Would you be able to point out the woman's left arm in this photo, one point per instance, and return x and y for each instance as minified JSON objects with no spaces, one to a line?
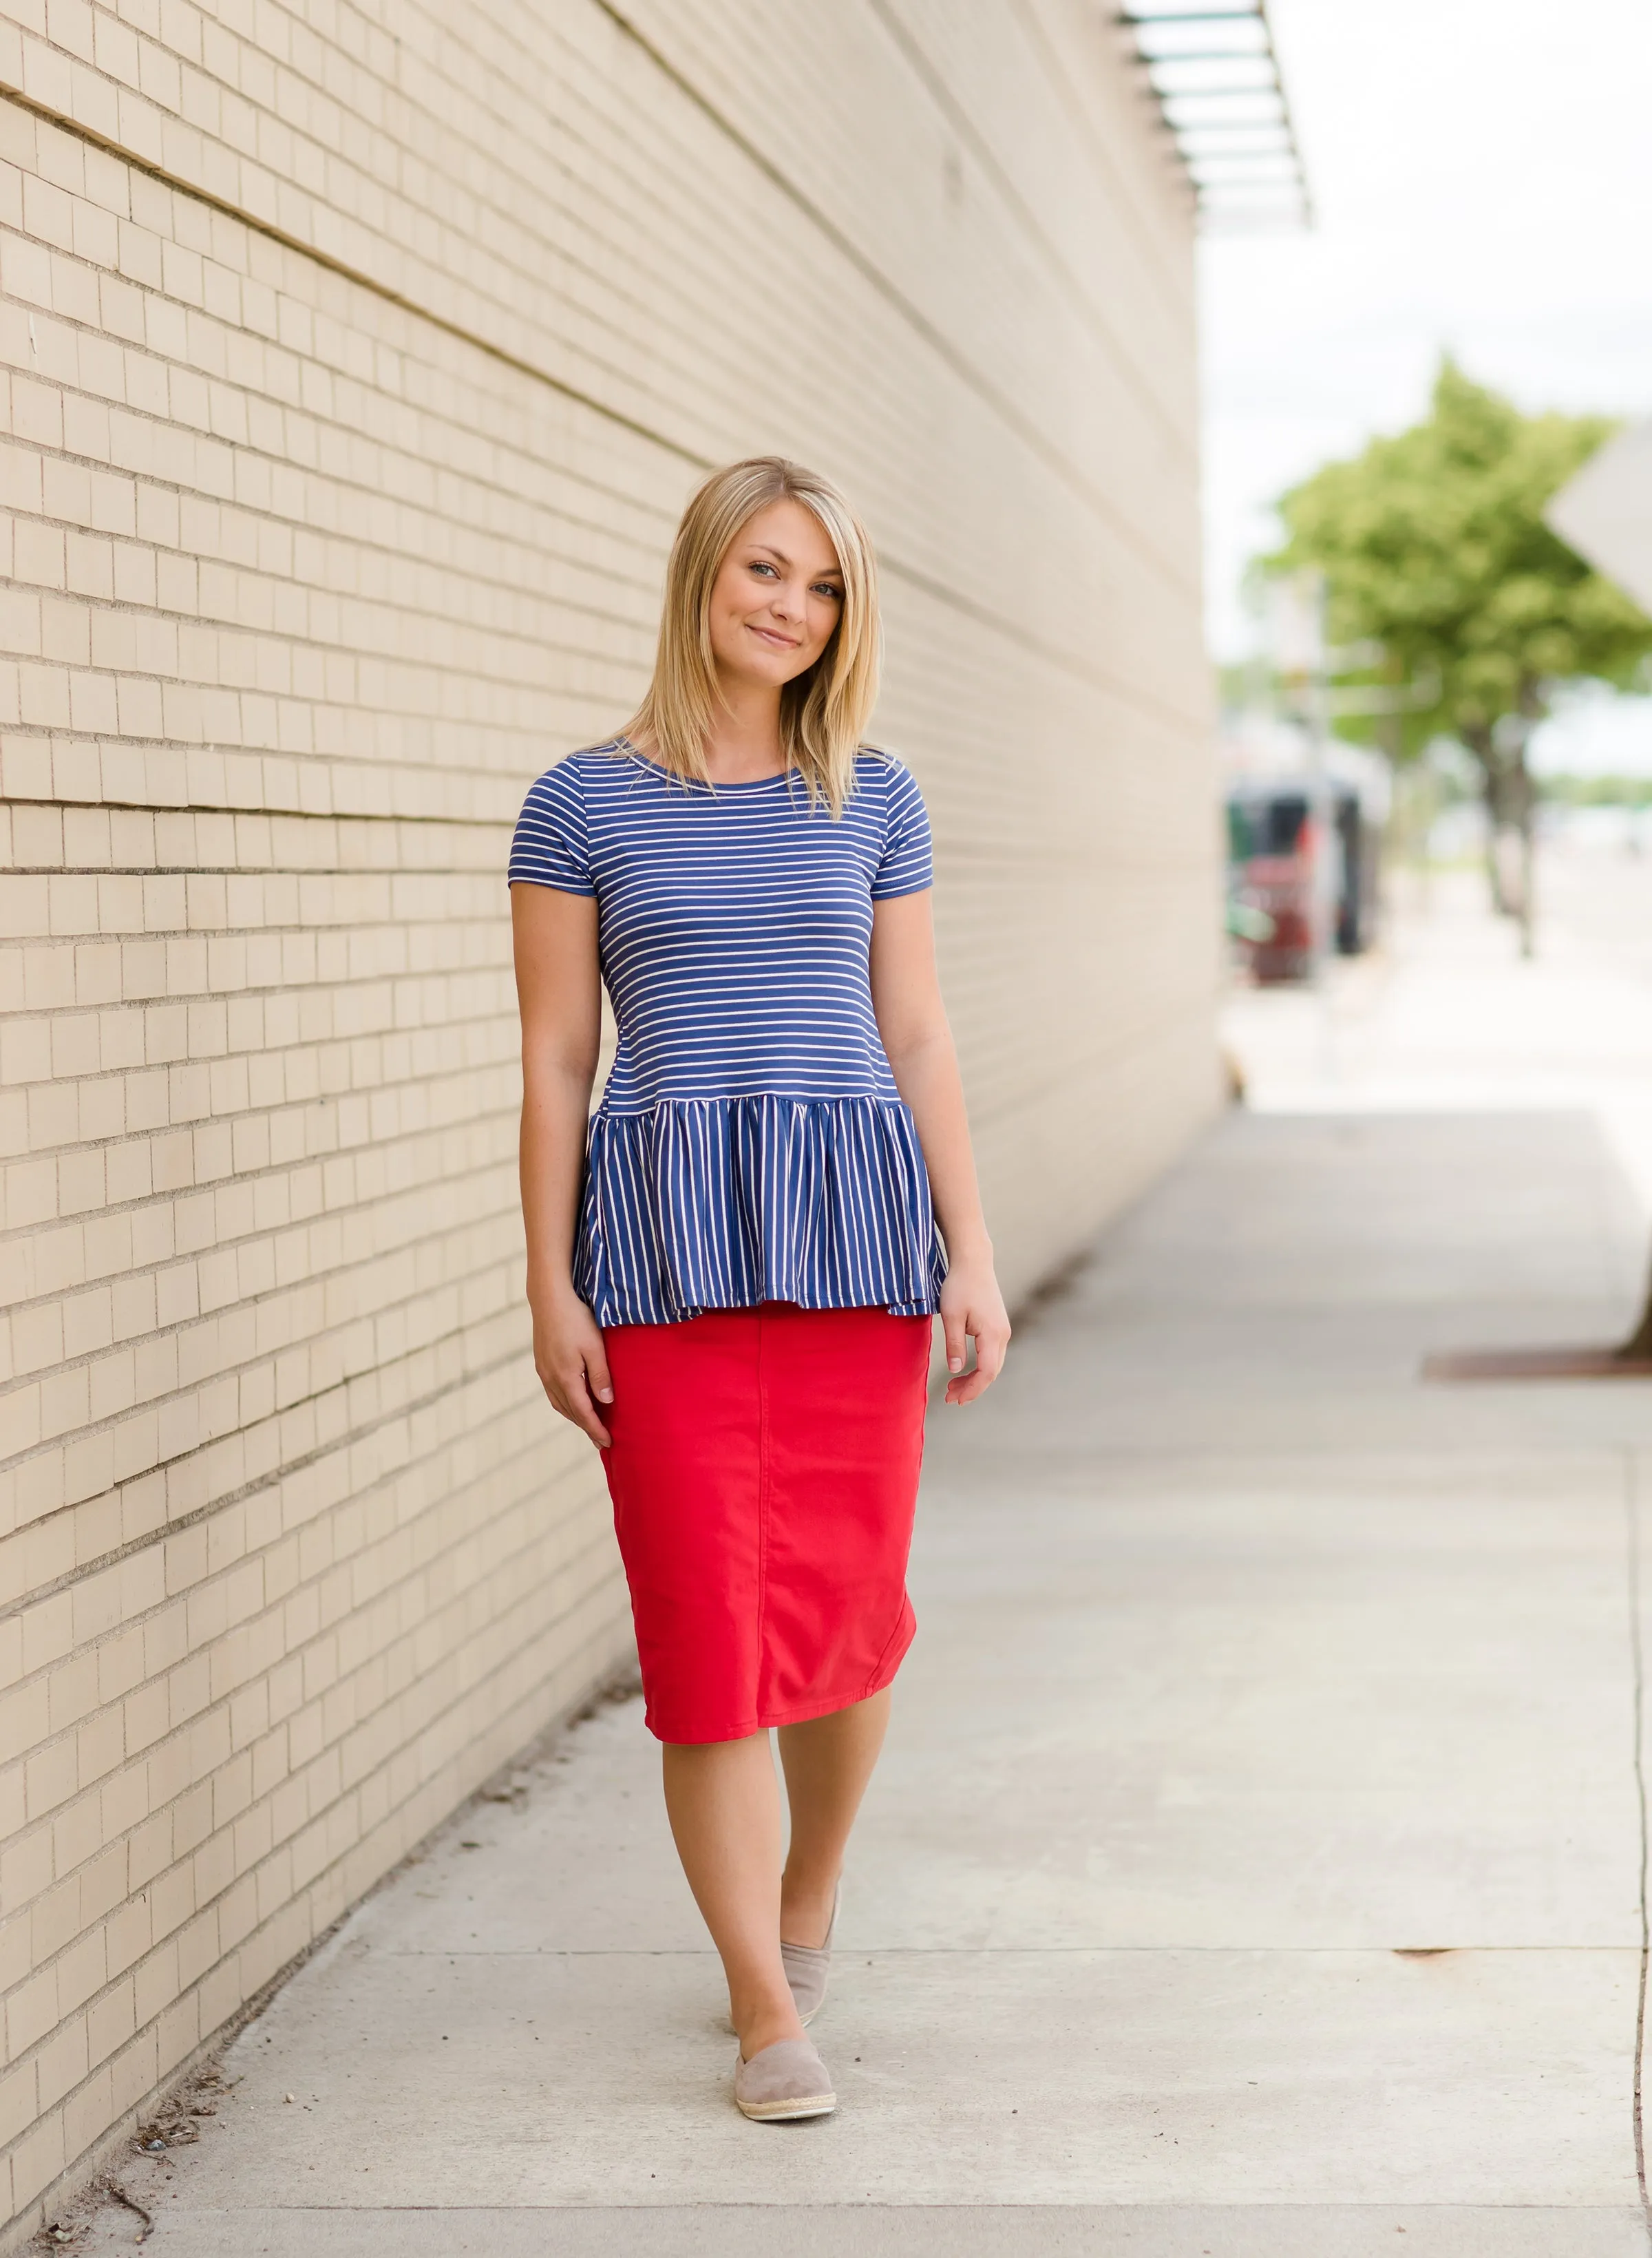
{"x":912,"y":1022}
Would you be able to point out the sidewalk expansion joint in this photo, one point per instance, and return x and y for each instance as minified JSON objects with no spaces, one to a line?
{"x":1632,"y":1511}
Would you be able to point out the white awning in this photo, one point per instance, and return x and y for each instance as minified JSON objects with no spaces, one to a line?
{"x":1213,"y":73}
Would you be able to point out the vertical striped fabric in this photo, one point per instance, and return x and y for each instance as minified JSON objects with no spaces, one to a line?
{"x":751,"y":1144}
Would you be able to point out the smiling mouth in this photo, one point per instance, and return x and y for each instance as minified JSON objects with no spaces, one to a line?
{"x":768,"y":635}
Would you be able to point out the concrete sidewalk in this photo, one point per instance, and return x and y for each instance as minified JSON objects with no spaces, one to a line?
{"x":1257,"y":1867}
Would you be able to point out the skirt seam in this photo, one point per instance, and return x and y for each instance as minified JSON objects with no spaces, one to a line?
{"x":763,"y":1498}
{"x":876,"y":1682}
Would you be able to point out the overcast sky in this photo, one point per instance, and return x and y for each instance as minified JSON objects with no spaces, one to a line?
{"x":1482,"y":171}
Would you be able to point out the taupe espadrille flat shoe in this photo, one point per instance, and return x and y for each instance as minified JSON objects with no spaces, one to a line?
{"x":782,"y":2082}
{"x":807,"y":1967}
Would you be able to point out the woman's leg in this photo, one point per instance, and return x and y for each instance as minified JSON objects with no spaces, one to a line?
{"x":827,"y":1764}
{"x":724,"y":1805}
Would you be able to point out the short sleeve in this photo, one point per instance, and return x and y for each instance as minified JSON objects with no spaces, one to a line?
{"x":906,"y":865}
{"x":552,"y":842}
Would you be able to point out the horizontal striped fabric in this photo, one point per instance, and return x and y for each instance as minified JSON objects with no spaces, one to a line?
{"x":751,"y":1144}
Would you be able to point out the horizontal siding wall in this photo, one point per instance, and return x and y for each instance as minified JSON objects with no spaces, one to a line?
{"x":356,"y":363}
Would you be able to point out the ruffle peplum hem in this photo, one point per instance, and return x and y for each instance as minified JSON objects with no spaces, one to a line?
{"x":721,"y":1204}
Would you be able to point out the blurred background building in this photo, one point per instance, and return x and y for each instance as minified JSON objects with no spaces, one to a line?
{"x":357,"y":364}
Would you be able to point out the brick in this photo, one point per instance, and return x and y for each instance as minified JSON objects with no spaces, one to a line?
{"x":300,"y":592}
{"x":32,"y":2012}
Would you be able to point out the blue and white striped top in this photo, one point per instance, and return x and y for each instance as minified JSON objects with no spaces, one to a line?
{"x":751,"y":1144}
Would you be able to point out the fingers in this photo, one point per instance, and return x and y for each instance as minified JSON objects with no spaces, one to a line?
{"x":583,"y":1412}
{"x":991,"y":1347}
{"x":570,"y":1395}
{"x":992,"y":1342}
{"x":966,"y":1390}
{"x":954,"y":1324}
{"x":594,"y":1383}
{"x":573,"y":1363}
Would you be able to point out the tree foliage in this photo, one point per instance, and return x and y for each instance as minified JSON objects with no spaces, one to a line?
{"x":1433,"y":543}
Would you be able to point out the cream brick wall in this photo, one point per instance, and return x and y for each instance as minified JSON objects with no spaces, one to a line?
{"x":356,"y":362}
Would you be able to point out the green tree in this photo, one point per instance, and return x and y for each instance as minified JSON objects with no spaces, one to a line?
{"x":1433,"y":545}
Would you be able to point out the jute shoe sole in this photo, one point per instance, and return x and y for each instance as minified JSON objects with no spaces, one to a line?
{"x":782,"y":2112}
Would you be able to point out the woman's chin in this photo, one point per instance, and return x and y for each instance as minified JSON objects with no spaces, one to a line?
{"x":760,"y":670}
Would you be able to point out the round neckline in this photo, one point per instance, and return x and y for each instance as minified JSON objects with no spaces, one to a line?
{"x":706,"y":784}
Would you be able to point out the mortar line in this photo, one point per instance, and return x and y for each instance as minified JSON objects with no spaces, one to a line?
{"x":1632,"y":1510}
{"x":262,"y":813}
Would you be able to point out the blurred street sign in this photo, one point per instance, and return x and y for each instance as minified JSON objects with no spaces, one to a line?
{"x":1297,"y":625}
{"x":1605,"y":512}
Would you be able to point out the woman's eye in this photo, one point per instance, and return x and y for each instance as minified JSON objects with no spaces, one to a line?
{"x":761,"y":566}
{"x":825,"y":588}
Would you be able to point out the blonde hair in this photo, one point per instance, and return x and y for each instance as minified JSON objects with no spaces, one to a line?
{"x":823,"y":711}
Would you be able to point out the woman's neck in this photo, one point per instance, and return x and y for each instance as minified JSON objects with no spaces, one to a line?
{"x":744,"y":742}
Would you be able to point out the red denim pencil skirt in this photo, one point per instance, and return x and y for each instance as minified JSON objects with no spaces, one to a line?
{"x":763,"y":1471}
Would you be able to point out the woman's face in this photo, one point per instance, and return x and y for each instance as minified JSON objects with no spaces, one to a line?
{"x":777,"y":596}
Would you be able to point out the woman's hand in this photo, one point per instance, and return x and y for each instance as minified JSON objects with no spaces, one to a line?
{"x":971,"y":1304}
{"x":570,"y":1360}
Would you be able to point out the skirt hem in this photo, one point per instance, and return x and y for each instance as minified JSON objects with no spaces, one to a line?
{"x":885,"y":1674}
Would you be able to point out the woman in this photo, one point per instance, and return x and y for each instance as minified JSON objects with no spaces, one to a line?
{"x":733,"y":1276}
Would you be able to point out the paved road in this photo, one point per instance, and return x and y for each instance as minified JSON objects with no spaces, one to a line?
{"x":1256,"y":1868}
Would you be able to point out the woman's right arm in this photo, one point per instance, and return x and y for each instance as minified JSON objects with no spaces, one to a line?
{"x":558,"y":989}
